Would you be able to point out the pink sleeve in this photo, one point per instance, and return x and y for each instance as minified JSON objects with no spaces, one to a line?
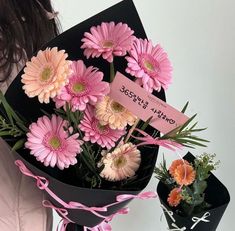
{"x":20,"y":201}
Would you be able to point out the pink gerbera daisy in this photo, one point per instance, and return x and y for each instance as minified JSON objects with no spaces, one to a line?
{"x":150,"y":64}
{"x":108,"y":40}
{"x":85,"y":86}
{"x":51,"y":144}
{"x":97,"y":133}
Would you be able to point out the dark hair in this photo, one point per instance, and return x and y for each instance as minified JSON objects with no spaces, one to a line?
{"x":24,"y":28}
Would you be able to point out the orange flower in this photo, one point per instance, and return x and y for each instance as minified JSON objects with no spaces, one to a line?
{"x":175,"y":164}
{"x":184,"y":174}
{"x":174,"y":197}
{"x":46,"y":74}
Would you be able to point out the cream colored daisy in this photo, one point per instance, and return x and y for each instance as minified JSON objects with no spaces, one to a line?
{"x":120,"y":164}
{"x":46,"y":74}
{"x":114,"y":114}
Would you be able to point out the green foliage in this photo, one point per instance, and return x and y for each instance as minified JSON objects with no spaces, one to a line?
{"x":204,"y":164}
{"x":162,"y":174}
{"x":184,"y":134}
{"x":12,"y":125}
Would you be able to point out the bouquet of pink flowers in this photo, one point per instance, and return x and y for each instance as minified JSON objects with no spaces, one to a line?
{"x":72,"y":136}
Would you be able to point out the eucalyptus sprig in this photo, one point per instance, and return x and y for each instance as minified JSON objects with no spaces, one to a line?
{"x":184,"y":134}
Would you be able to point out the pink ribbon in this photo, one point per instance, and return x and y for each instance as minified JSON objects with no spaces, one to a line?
{"x":43,"y":183}
{"x":62,"y":212}
{"x":142,"y":196}
{"x":147,"y":139}
{"x":104,"y":225}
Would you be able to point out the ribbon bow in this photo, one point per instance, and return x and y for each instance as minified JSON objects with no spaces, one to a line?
{"x":42,"y":182}
{"x":203,"y":219}
{"x":62,"y":212}
{"x":94,"y":210}
{"x":147,"y":139}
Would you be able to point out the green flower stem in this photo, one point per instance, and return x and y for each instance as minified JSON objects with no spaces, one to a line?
{"x":131,"y":130}
{"x":112,"y":72}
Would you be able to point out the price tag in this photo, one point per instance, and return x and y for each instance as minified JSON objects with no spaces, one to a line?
{"x":144,"y":105}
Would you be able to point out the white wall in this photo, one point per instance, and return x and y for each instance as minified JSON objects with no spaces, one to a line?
{"x":199,"y":37}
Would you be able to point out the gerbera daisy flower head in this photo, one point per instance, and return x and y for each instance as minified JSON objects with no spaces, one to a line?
{"x":85,"y":86}
{"x":174,"y":197}
{"x":114,"y":114}
{"x":184,"y":174}
{"x":175,"y":164}
{"x":108,"y":40}
{"x":120,"y":164}
{"x":46,"y":74}
{"x":51,"y":144}
{"x":150,"y":65}
{"x":97,"y":133}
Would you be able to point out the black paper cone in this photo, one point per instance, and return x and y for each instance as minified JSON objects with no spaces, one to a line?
{"x":70,"y":41}
{"x":216,"y":194}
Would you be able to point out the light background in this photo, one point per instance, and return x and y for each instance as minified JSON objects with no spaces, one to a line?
{"x":199,"y":37}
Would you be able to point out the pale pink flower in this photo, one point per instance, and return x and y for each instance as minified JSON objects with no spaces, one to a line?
{"x":150,"y":65}
{"x":97,"y":133}
{"x":51,"y":144}
{"x":120,"y":164}
{"x":108,"y":40}
{"x":46,"y":74}
{"x":114,"y":114}
{"x":85,"y":86}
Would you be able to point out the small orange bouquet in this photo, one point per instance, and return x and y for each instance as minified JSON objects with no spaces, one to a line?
{"x":187,"y":182}
{"x":191,"y":197}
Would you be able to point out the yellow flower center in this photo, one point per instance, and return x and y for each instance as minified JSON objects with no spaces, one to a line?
{"x":46,"y":74}
{"x":116,"y":107}
{"x":108,"y":44}
{"x":78,"y":88}
{"x":55,"y":142}
{"x":149,"y":65}
{"x":119,"y":162}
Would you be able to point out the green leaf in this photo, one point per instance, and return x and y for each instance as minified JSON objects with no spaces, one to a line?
{"x":19,"y":144}
{"x":6,"y":107}
{"x":187,"y":122}
{"x":145,"y":125}
{"x":188,"y":141}
{"x":185,"y":107}
{"x":10,"y":112}
{"x":4,"y":133}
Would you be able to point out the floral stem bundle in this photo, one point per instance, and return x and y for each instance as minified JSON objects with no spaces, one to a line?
{"x":60,"y":117}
